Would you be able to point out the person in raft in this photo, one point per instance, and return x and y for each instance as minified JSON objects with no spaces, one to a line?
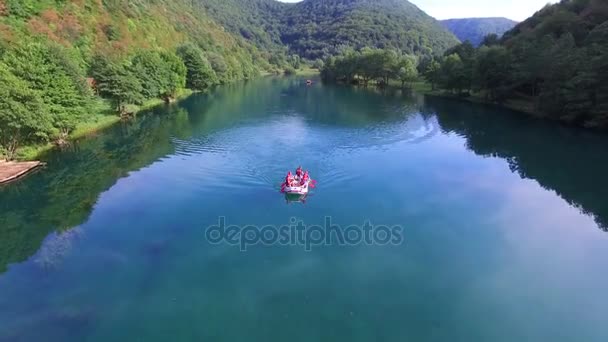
{"x":288,"y":179}
{"x":299,"y":173}
{"x":305,"y":178}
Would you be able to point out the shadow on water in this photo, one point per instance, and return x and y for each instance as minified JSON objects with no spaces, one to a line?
{"x":569,"y":161}
{"x":63,"y":196}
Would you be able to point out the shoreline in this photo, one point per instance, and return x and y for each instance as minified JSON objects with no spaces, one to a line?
{"x":424,"y":88}
{"x":520,"y":107}
{"x":103,"y":118}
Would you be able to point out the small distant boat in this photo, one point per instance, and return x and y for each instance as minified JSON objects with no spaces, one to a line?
{"x":308,"y":82}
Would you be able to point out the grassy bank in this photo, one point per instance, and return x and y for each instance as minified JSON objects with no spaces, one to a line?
{"x":304,"y":71}
{"x":104,"y":116}
{"x":307,"y":71}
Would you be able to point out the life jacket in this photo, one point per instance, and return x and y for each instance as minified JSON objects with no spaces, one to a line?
{"x":304,"y":178}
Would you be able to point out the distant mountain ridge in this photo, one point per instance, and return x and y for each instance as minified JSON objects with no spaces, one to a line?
{"x":474,"y":30}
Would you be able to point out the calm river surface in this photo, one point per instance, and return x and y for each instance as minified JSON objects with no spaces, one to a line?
{"x":504,"y":223}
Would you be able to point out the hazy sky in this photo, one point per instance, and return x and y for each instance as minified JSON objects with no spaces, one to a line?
{"x":446,"y":9}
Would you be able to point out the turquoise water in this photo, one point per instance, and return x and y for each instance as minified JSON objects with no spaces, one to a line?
{"x":504,"y":223}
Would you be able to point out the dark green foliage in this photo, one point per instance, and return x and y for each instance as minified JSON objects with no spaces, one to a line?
{"x":493,"y":71}
{"x":219,"y":65}
{"x":49,"y":72}
{"x":21,"y":8}
{"x":117,"y":82}
{"x":295,"y":61}
{"x":475,"y":30}
{"x":321,"y":28}
{"x":453,"y":74}
{"x":201,"y":75}
{"x":111,"y":32}
{"x":407,"y":71}
{"x":369,"y":65}
{"x":255,"y":20}
{"x":160,"y":74}
{"x":458,"y":75}
{"x":433,"y":73}
{"x":290,"y":71}
{"x":48,"y":44}
{"x":556,"y":61}
{"x":177,"y":73}
{"x":318,"y":64}
{"x":491,"y":40}
{"x":23,"y":115}
{"x":153,"y":73}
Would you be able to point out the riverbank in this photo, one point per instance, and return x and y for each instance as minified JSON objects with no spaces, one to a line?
{"x":104,"y":117}
{"x":519,"y":105}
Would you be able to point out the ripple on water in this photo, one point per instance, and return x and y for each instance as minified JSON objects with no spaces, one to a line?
{"x":257,"y":154}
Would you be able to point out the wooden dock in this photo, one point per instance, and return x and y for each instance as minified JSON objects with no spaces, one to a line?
{"x":10,"y":171}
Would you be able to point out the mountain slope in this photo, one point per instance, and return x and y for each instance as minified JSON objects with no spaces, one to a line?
{"x":475,"y":29}
{"x":58,"y":59}
{"x":320,"y":28}
{"x":255,"y":20}
{"x":115,"y":27}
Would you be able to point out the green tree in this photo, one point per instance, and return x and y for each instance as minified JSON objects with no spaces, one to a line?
{"x":218,"y":63}
{"x":177,"y":73}
{"x":295,"y":61}
{"x":47,"y":71}
{"x":433,"y":73}
{"x":153,"y":74}
{"x":491,"y":39}
{"x":318,"y":64}
{"x":200,"y":74}
{"x":23,"y":116}
{"x":453,"y":73}
{"x":289,"y":70}
{"x":493,"y":70}
{"x":117,"y":82}
{"x":407,"y":71}
{"x":466,"y":51}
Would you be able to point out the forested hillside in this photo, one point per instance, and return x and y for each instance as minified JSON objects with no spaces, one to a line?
{"x":258,"y":21}
{"x":555,"y":64}
{"x":322,"y":28}
{"x":476,"y":29}
{"x":56,"y":56}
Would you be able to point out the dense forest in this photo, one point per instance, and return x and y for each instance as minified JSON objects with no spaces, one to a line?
{"x":475,"y":30}
{"x":317,"y":29}
{"x":258,"y":21}
{"x":553,"y":65}
{"x":370,"y":65}
{"x":322,"y":28}
{"x":56,"y":56}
